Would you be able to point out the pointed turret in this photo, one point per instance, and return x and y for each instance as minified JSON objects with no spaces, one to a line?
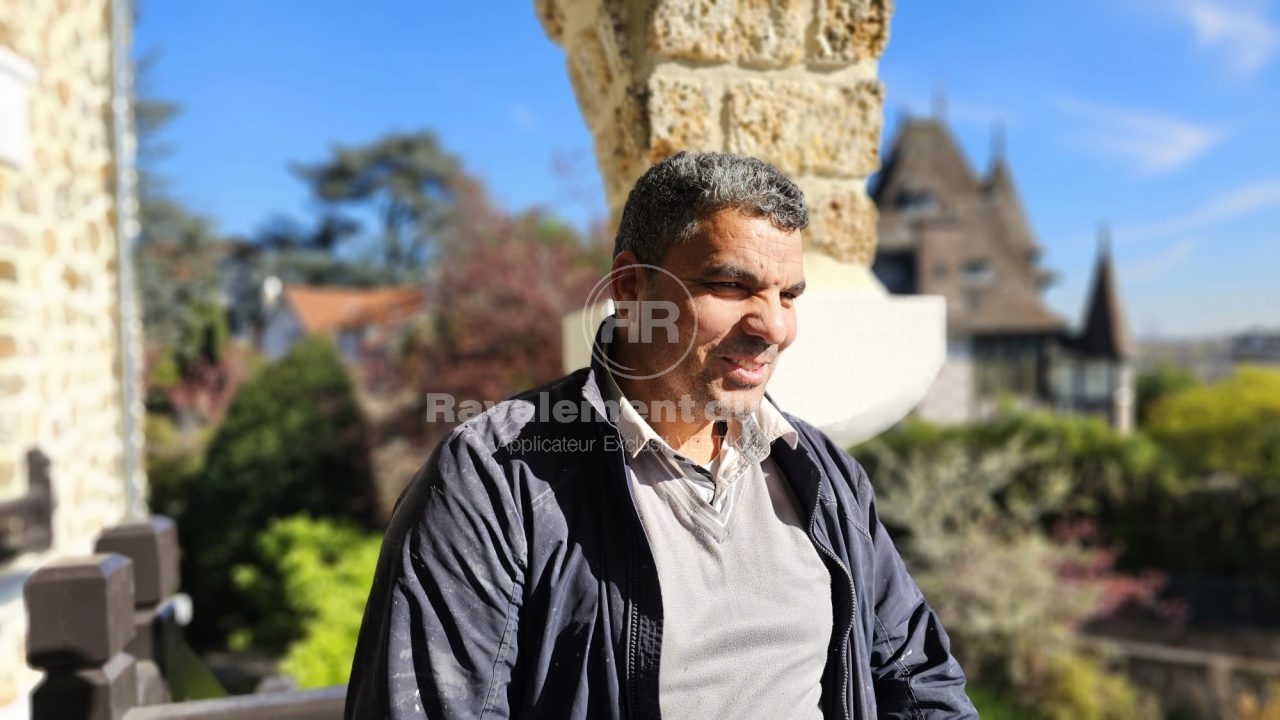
{"x":1000,"y":188}
{"x":999,"y":180}
{"x":1104,"y":333}
{"x":923,"y":158}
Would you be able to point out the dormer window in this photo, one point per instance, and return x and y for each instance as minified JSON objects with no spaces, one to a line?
{"x":916,"y":202}
{"x":978,"y":272}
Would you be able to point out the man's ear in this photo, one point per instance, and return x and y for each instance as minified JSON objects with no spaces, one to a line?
{"x":626,"y":278}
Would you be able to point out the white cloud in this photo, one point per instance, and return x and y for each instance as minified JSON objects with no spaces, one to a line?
{"x":1229,"y":205}
{"x":1155,"y":266}
{"x":1239,"y":29}
{"x":1154,"y":143}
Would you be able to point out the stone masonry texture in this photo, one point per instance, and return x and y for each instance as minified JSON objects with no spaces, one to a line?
{"x":790,"y":81}
{"x":60,"y":386}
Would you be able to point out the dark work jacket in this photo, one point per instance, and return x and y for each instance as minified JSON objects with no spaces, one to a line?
{"x":515,"y":581}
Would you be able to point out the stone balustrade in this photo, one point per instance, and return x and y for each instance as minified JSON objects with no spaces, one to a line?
{"x":106,"y":630}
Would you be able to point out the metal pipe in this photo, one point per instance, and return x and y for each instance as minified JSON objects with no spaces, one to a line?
{"x":124,"y":144}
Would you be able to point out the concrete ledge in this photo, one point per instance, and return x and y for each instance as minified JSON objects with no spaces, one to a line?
{"x":319,"y":704}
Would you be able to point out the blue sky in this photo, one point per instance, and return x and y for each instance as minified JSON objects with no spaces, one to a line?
{"x":1156,"y":116}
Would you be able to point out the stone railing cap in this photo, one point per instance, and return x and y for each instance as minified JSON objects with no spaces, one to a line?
{"x":80,"y":611}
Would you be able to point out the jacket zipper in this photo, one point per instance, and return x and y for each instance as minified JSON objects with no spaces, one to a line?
{"x":845,"y":678}
{"x":633,"y":621}
{"x":633,"y":612}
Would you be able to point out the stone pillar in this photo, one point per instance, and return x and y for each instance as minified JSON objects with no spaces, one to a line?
{"x":790,"y":81}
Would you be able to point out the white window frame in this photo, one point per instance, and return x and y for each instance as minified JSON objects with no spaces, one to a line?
{"x":17,"y":76}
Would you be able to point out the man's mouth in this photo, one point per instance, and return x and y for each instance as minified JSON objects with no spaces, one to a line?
{"x":746,"y":370}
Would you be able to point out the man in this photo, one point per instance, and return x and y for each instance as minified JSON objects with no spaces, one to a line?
{"x":678,"y":547}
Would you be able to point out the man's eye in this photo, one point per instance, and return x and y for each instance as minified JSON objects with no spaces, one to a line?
{"x":728,"y":286}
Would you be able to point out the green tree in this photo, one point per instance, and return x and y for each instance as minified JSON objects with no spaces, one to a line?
{"x":1230,"y":426}
{"x":177,"y":252}
{"x":496,"y":300}
{"x":293,"y":441}
{"x":1158,"y":382}
{"x":405,"y":180}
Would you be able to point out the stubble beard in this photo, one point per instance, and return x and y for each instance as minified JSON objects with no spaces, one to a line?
{"x":717,"y":397}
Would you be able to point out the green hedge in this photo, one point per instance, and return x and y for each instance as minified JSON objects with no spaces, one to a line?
{"x":1231,"y":426}
{"x":293,"y":441}
{"x":309,"y":584}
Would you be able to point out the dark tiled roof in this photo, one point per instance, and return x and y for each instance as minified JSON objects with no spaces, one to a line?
{"x":924,"y":156}
{"x":1009,"y":310}
{"x":1104,"y":333}
{"x":928,"y":186}
{"x":1013,"y":227}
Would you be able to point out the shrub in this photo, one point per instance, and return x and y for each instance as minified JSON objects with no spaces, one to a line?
{"x":1127,"y":484}
{"x":1231,"y":426}
{"x":1249,"y":707}
{"x":996,"y":706}
{"x":1079,"y":688}
{"x":1159,"y":382}
{"x":293,"y":441}
{"x":1197,"y":531}
{"x":309,"y":582}
{"x":1105,"y":470}
{"x":1010,"y":596}
{"x":966,"y":551}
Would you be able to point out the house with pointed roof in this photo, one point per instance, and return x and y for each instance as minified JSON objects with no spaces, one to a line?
{"x":944,"y":230}
{"x":356,"y":319}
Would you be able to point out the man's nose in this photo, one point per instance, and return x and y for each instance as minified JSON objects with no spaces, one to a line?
{"x":768,"y":320}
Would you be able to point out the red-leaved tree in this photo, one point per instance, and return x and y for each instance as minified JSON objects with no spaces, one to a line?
{"x":496,"y":297}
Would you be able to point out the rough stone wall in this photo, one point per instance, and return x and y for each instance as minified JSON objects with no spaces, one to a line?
{"x":790,"y":81}
{"x":60,"y":360}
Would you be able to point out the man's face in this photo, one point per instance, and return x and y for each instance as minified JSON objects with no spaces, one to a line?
{"x":741,"y":276}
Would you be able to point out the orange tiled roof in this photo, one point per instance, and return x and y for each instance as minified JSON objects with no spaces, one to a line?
{"x":322,"y":309}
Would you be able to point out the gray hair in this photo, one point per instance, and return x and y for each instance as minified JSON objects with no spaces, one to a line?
{"x":670,"y":200}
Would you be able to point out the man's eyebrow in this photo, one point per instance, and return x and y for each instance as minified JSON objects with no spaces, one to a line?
{"x":737,"y":272}
{"x":733,"y":272}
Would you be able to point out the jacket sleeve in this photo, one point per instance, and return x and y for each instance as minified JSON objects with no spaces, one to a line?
{"x":438,"y":639}
{"x":914,"y":673}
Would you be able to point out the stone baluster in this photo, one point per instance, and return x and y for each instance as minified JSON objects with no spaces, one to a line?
{"x":152,"y":545}
{"x":81,"y":620}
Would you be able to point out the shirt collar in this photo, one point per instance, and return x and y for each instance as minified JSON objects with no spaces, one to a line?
{"x":635,"y":430}
{"x":752,"y":435}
